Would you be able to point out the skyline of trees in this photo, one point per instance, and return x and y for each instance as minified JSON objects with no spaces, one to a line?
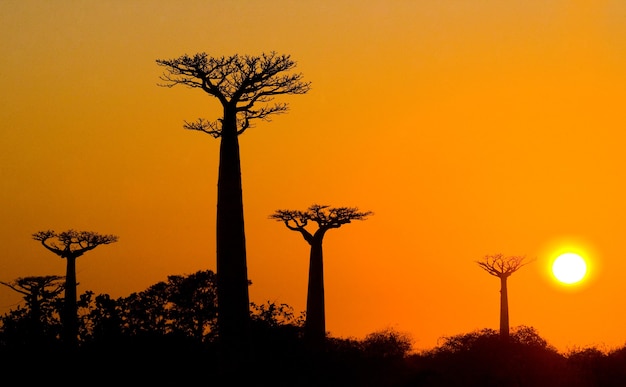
{"x":245,"y":86}
{"x":327,"y":217}
{"x":156,"y":328}
{"x":73,"y":244}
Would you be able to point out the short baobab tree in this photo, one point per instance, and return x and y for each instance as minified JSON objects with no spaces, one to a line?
{"x":70,"y":245}
{"x":326,"y":218}
{"x":502,"y":267}
{"x":39,"y":292}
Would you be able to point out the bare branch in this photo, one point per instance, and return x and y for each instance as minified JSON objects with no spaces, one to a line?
{"x":324,"y":215}
{"x":294,"y":220}
{"x":500,"y":266}
{"x":37,"y":285}
{"x":72,"y":243}
{"x":213,"y":128}
{"x":238,"y":82}
{"x":334,"y":217}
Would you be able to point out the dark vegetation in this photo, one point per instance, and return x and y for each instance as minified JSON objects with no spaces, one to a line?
{"x":168,"y":334}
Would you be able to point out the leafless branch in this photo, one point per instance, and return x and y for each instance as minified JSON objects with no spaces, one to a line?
{"x":37,"y":285}
{"x":247,"y":84}
{"x":72,"y":242}
{"x":502,"y":266}
{"x":211,"y":127}
{"x":324,"y":215}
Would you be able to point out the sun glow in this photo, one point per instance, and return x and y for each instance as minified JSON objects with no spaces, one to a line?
{"x":569,"y":268}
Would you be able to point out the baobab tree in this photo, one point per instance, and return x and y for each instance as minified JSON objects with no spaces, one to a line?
{"x":326,"y":218}
{"x":70,"y":245}
{"x":245,"y":86}
{"x":39,"y":292}
{"x":502,"y":267}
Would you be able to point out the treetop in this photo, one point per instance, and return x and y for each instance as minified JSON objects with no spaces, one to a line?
{"x":324,"y":215}
{"x":502,"y":266}
{"x":72,"y":242}
{"x":243,"y":84}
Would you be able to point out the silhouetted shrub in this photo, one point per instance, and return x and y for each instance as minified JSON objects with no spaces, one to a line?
{"x":165,"y":335}
{"x":387,"y":344}
{"x":482,"y":358}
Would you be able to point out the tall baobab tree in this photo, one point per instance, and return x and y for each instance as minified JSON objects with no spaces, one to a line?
{"x":70,"y":245}
{"x":245,"y":86}
{"x":326,"y":218}
{"x":502,"y":267}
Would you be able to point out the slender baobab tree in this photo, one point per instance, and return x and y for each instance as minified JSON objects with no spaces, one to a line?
{"x":245,"y":86}
{"x":326,"y":218}
{"x":70,"y":245}
{"x":502,"y":267}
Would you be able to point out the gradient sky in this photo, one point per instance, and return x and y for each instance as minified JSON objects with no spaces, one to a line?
{"x":468,"y":128}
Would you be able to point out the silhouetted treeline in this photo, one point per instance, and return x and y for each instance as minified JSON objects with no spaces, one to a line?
{"x":167,"y":334}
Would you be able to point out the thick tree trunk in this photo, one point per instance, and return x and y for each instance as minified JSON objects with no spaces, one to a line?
{"x":315,"y":324}
{"x":504,"y":309}
{"x":232,"y":274}
{"x":70,"y":311}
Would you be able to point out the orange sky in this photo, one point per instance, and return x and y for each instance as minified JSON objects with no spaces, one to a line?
{"x":468,"y":128}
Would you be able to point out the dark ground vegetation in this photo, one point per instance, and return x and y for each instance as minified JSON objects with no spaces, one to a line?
{"x":166,"y":335}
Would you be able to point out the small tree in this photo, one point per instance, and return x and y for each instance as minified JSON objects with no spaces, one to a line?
{"x":70,"y":245}
{"x":502,"y":267}
{"x":193,"y":299}
{"x":184,"y":306}
{"x":387,"y":344}
{"x":326,"y":218}
{"x":244,"y":86}
{"x":39,"y":292}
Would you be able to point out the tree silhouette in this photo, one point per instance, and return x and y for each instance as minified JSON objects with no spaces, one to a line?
{"x":104,"y":322}
{"x":193,"y":303}
{"x":502,"y":267}
{"x":482,"y":358}
{"x":245,"y":86}
{"x":326,"y":219}
{"x":70,"y":245}
{"x":39,"y":293}
{"x":184,"y":306}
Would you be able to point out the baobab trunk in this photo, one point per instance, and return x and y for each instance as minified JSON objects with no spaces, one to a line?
{"x":504,"y":309}
{"x":70,"y":317}
{"x":232,"y":277}
{"x":315,"y":325}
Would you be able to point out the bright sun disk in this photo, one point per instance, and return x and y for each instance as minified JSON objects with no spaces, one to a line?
{"x":569,"y":268}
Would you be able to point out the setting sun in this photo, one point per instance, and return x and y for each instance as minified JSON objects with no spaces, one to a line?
{"x":569,"y":268}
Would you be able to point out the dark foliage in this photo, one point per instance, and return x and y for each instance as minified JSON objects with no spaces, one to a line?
{"x":166,"y":335}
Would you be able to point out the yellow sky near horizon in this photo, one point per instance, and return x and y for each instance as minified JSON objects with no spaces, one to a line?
{"x":468,"y":128}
